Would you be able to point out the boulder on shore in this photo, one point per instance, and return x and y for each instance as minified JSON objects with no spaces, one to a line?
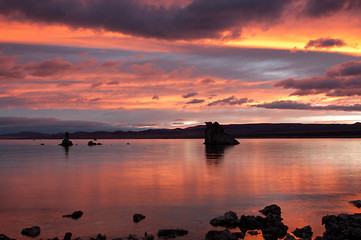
{"x":215,"y":135}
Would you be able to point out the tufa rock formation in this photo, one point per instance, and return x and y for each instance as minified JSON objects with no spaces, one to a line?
{"x":215,"y":135}
{"x":66,"y":141}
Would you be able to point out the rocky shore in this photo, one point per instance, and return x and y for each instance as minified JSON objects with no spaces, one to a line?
{"x":270,"y":225}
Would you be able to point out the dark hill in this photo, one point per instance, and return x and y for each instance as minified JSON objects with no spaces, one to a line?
{"x":264,"y":130}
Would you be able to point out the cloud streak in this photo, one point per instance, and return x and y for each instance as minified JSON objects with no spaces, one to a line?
{"x":293,"y":105}
{"x":229,"y":101}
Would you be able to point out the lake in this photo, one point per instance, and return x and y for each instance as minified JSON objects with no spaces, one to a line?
{"x":174,"y":183}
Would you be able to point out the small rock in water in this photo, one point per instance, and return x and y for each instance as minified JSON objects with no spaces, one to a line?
{"x":74,"y":215}
{"x":68,"y":236}
{"x":356,"y":203}
{"x":171,"y":233}
{"x":3,"y":237}
{"x":220,"y":235}
{"x":31,"y":232}
{"x":138,"y":217}
{"x":228,"y":220}
{"x":304,"y":233}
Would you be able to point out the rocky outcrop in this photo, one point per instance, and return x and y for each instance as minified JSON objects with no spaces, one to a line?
{"x":271,"y":225}
{"x":74,"y":215}
{"x":31,"y":231}
{"x":215,"y":135}
{"x":343,"y":226}
{"x":66,"y":141}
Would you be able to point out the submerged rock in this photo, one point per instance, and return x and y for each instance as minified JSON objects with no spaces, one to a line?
{"x":138,"y":217}
{"x":304,"y":233}
{"x":31,"y":232}
{"x":228,"y":220}
{"x":66,"y":141}
{"x":74,"y":215}
{"x":171,"y":233}
{"x":215,"y":135}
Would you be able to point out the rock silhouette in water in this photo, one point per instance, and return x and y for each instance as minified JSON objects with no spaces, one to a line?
{"x":66,"y":141}
{"x":215,"y":135}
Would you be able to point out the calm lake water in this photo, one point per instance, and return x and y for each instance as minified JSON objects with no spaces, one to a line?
{"x":174,"y":183}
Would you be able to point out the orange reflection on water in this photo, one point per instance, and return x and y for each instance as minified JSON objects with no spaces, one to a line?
{"x":175,"y":183}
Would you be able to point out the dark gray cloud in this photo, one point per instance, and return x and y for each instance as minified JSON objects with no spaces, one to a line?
{"x":316,"y":8}
{"x":155,"y":97}
{"x":229,"y":101}
{"x":191,"y":94}
{"x":195,"y":101}
{"x":288,"y":104}
{"x":340,"y":80}
{"x":198,"y":19}
{"x":325,"y":43}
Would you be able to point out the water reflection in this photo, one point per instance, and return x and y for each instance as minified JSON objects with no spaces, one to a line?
{"x":215,"y":153}
{"x":169,"y":182}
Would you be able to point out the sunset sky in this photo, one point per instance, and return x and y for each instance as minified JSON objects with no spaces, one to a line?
{"x":85,"y":65}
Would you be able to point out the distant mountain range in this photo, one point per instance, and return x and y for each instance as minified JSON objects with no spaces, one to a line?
{"x":264,"y":130}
